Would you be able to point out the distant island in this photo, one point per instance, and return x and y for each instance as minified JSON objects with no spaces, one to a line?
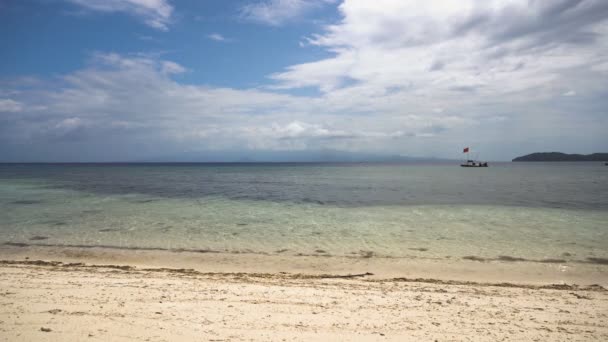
{"x":558,"y":156}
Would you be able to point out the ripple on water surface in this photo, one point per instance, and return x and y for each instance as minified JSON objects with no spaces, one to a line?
{"x":509,"y":212}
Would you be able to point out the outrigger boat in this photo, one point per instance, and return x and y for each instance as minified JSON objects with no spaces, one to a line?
{"x":472,"y":163}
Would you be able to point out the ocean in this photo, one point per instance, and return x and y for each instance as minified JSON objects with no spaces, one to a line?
{"x":546,"y":212}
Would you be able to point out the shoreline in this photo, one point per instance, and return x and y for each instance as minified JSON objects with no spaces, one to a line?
{"x":317,"y":253}
{"x":367,"y":277}
{"x":467,"y":270}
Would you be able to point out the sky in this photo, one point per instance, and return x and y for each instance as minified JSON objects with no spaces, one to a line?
{"x":134,"y":80}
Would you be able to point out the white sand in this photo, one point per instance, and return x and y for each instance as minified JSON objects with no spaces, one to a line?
{"x":77,"y":303}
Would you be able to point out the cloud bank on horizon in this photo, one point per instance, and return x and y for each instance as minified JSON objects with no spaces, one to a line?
{"x":386,"y":76}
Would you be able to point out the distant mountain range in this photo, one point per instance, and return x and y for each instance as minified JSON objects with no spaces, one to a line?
{"x":306,"y":156}
{"x":558,"y":156}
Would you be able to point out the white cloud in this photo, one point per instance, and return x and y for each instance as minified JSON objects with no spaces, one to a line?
{"x":474,"y":60}
{"x":136,"y":98}
{"x":217,"y":37}
{"x":297,"y":129}
{"x":601,"y":67}
{"x":486,"y":48}
{"x":69,"y":123}
{"x":169,"y":68}
{"x":11,"y":106}
{"x":155,"y":13}
{"x":404,"y":77}
{"x":570,"y":93}
{"x":277,"y":12}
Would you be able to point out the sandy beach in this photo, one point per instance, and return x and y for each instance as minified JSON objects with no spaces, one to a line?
{"x":59,"y":298}
{"x":303,"y":170}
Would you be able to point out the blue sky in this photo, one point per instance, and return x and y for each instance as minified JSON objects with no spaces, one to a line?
{"x":213,"y":39}
{"x":104,"y":80}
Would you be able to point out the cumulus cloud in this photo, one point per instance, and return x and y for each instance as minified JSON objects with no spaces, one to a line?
{"x":8,"y":105}
{"x":296,"y":129}
{"x":169,"y":67}
{"x":486,"y":47}
{"x":135,"y":98}
{"x":278,"y":12}
{"x":155,"y":13}
{"x":117,"y":94}
{"x":404,"y":77}
{"x":478,"y":59}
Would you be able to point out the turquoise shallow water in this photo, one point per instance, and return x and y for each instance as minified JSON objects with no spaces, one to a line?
{"x":529,"y":211}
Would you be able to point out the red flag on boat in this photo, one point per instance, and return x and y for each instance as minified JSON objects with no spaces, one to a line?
{"x":466,"y":150}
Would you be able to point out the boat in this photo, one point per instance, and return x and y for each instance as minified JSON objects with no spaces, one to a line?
{"x":472,"y":163}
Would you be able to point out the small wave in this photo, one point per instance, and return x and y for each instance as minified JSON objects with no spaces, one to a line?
{"x":27,"y":202}
{"x":507,"y":258}
{"x":598,"y":261}
{"x":38,"y":238}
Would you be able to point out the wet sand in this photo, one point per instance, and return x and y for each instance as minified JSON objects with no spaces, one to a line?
{"x":71,"y":294}
{"x":499,"y":270}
